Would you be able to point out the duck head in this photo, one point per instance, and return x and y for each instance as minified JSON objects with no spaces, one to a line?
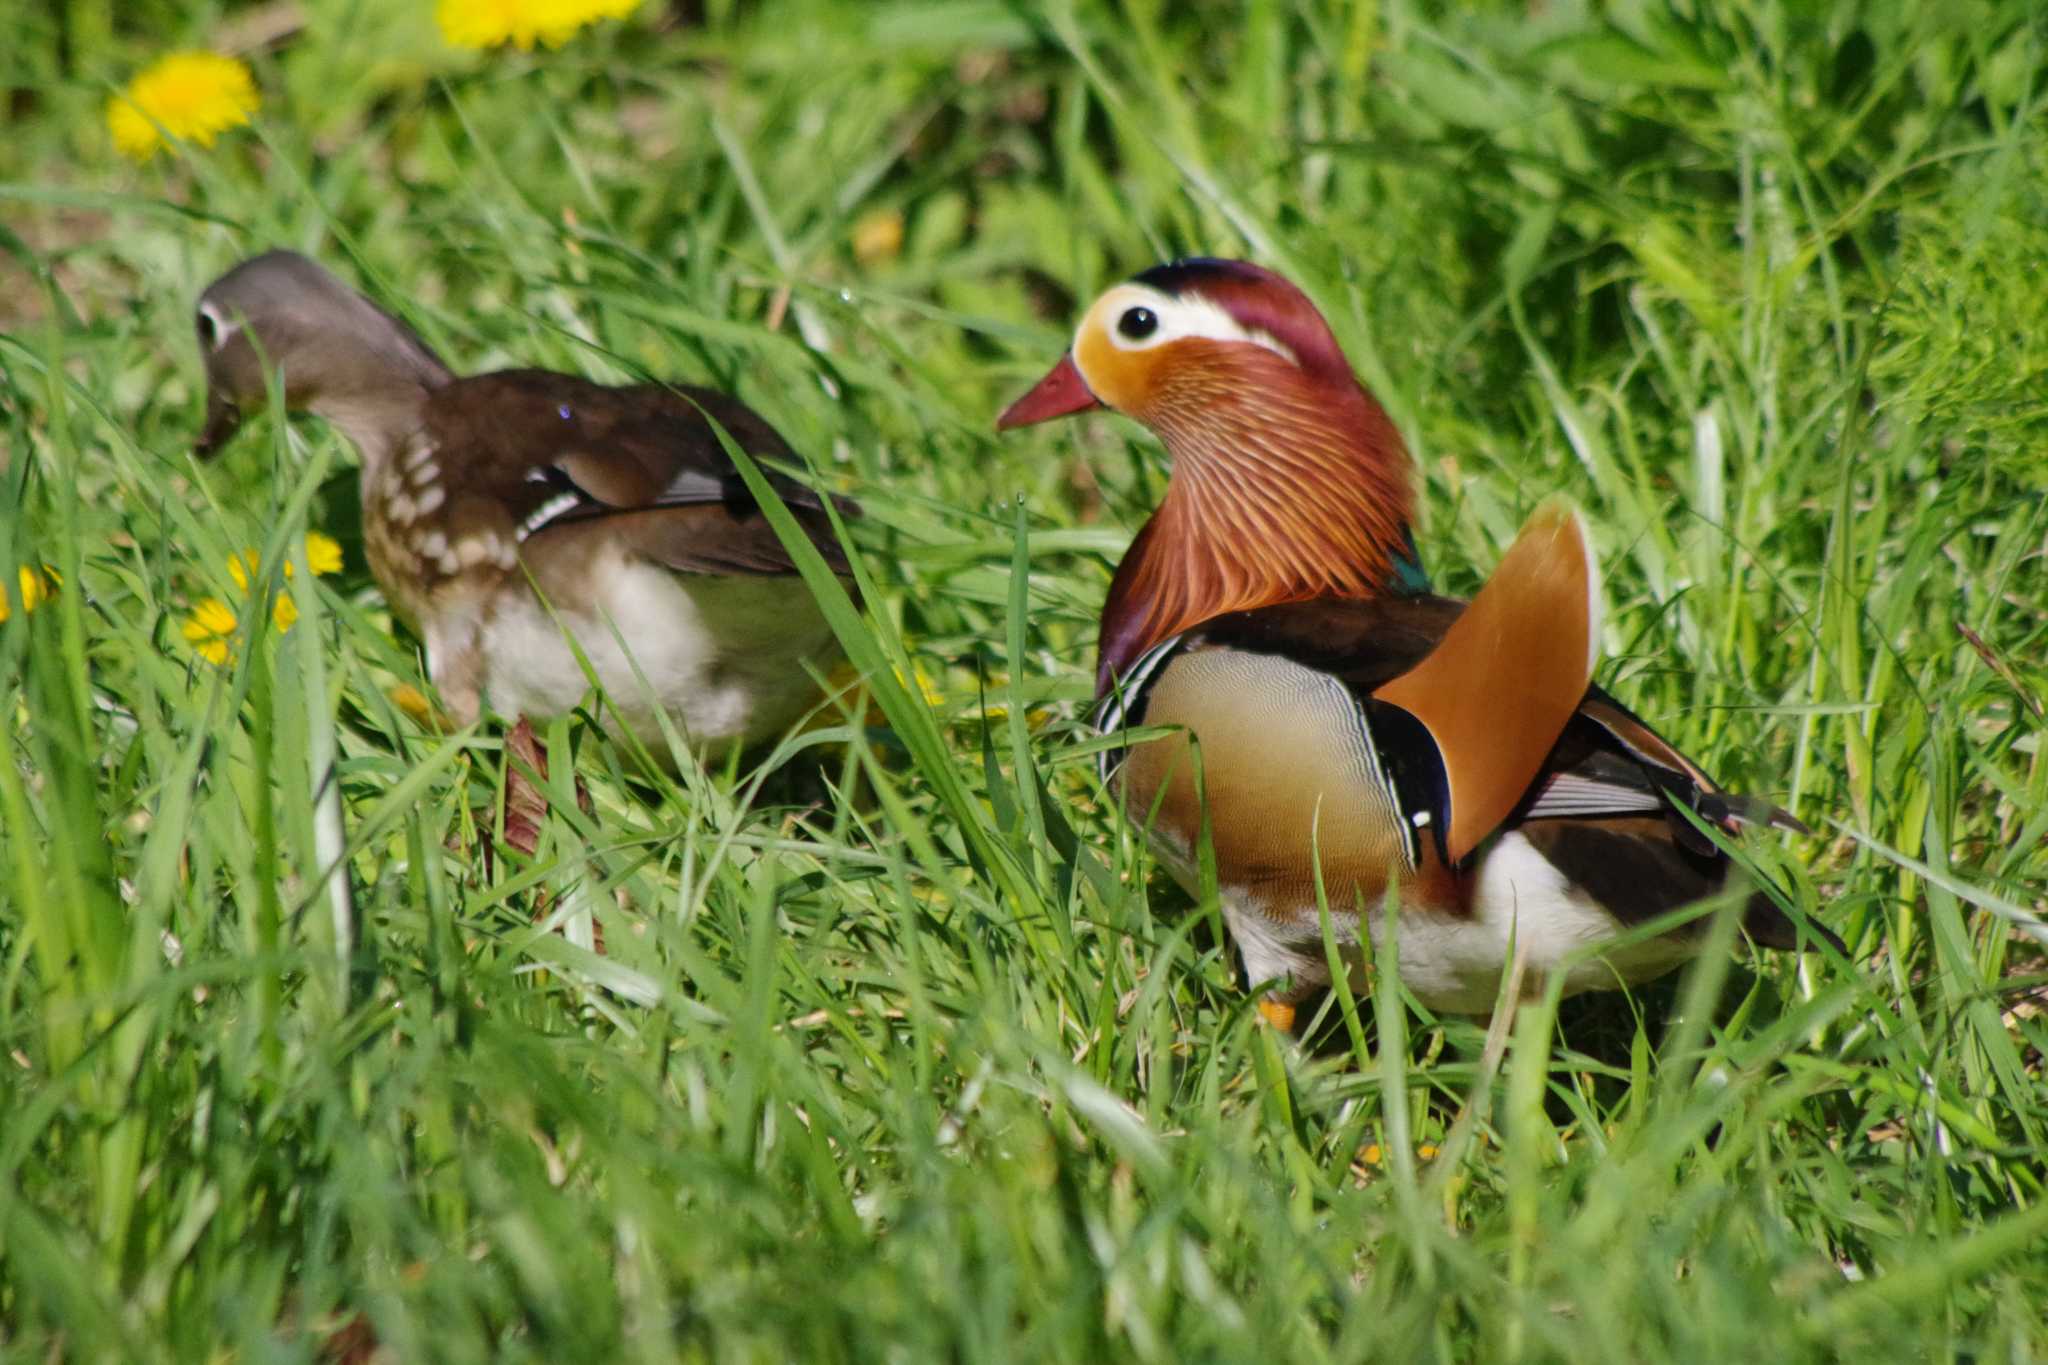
{"x":1289,"y":480}
{"x":340,"y":356}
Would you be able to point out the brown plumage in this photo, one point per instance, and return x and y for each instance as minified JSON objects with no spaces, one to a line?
{"x":506,"y":513}
{"x":1251,"y":518}
{"x":1282,"y":490}
{"x":1341,"y":729}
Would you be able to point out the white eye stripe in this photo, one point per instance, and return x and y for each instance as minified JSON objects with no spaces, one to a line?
{"x":223,"y":326}
{"x":1177,"y":317}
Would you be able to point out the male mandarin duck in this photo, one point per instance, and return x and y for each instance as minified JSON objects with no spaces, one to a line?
{"x":505,"y":513}
{"x":1273,"y":610}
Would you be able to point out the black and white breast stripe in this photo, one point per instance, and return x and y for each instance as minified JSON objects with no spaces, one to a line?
{"x":1415,"y":812}
{"x":1125,"y":703}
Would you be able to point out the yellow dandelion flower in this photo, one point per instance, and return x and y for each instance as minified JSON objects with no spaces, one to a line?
{"x":323,"y":553}
{"x":191,"y":96}
{"x":209,"y":628}
{"x":522,"y":23}
{"x":476,"y":23}
{"x":35,"y":587}
{"x":212,"y":625}
{"x":213,"y":621}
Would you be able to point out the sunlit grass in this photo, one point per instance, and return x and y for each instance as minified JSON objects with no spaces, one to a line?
{"x":899,"y":1046}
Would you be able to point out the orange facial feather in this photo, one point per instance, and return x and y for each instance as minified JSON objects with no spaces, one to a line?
{"x":1283,"y":490}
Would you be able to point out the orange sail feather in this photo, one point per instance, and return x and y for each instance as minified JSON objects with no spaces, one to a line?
{"x":1496,"y":693}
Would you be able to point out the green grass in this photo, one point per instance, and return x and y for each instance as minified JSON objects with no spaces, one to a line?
{"x":937,"y":1066}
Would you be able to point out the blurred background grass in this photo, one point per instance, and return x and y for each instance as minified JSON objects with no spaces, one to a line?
{"x":933,"y":1067}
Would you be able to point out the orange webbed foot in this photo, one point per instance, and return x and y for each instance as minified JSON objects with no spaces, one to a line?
{"x":1277,"y":1013}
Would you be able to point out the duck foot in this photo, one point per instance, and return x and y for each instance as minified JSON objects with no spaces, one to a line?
{"x":525,"y":805}
{"x":1278,"y":1013}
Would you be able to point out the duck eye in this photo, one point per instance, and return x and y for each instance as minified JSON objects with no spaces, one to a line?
{"x":214,"y":330}
{"x":1138,"y":323}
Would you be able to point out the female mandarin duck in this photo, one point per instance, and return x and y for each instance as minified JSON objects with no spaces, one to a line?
{"x":1273,"y":609}
{"x":505,"y":514}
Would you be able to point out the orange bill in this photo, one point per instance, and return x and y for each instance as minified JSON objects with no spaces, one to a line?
{"x":1498,"y":689}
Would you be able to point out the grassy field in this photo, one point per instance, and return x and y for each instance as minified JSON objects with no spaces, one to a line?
{"x":901,"y":1049}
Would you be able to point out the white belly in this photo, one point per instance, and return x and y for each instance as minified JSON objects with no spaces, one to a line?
{"x":1454,"y":965}
{"x":724,"y":656}
{"x":1521,"y":902}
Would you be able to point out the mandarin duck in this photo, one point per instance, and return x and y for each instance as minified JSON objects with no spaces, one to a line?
{"x":506,"y":515}
{"x":1336,"y":725}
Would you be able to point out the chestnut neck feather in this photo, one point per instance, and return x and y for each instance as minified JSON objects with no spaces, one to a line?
{"x":1283,"y":490}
